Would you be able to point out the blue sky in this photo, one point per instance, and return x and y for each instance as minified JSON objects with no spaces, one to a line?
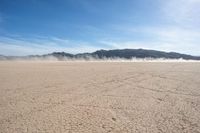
{"x":44,"y":26}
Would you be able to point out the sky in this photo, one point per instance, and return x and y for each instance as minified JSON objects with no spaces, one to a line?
{"x":29,"y":27}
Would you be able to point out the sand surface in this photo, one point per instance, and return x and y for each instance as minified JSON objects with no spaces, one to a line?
{"x":92,"y":97}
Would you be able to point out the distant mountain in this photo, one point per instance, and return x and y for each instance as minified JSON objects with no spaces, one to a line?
{"x":2,"y":57}
{"x":141,"y":53}
{"x":108,"y":54}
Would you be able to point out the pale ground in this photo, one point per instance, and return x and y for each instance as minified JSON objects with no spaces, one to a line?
{"x":99,"y":97}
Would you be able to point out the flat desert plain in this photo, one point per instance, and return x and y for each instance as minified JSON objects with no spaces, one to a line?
{"x":92,"y":97}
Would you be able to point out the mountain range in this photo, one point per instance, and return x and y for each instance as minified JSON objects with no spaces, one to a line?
{"x":108,"y":54}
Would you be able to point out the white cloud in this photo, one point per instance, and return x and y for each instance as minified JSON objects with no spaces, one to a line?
{"x":156,"y":45}
{"x":162,"y":38}
{"x":183,"y":12}
{"x":20,"y":46}
{"x":179,"y":32}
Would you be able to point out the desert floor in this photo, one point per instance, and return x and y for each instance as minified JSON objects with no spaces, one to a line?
{"x":52,"y":96}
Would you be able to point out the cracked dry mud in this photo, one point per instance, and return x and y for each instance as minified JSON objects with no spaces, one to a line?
{"x":99,"y":97}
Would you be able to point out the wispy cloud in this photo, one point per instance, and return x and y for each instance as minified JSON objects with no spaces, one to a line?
{"x":161,"y":38}
{"x":21,"y":46}
{"x":179,"y":30}
{"x":183,"y":12}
